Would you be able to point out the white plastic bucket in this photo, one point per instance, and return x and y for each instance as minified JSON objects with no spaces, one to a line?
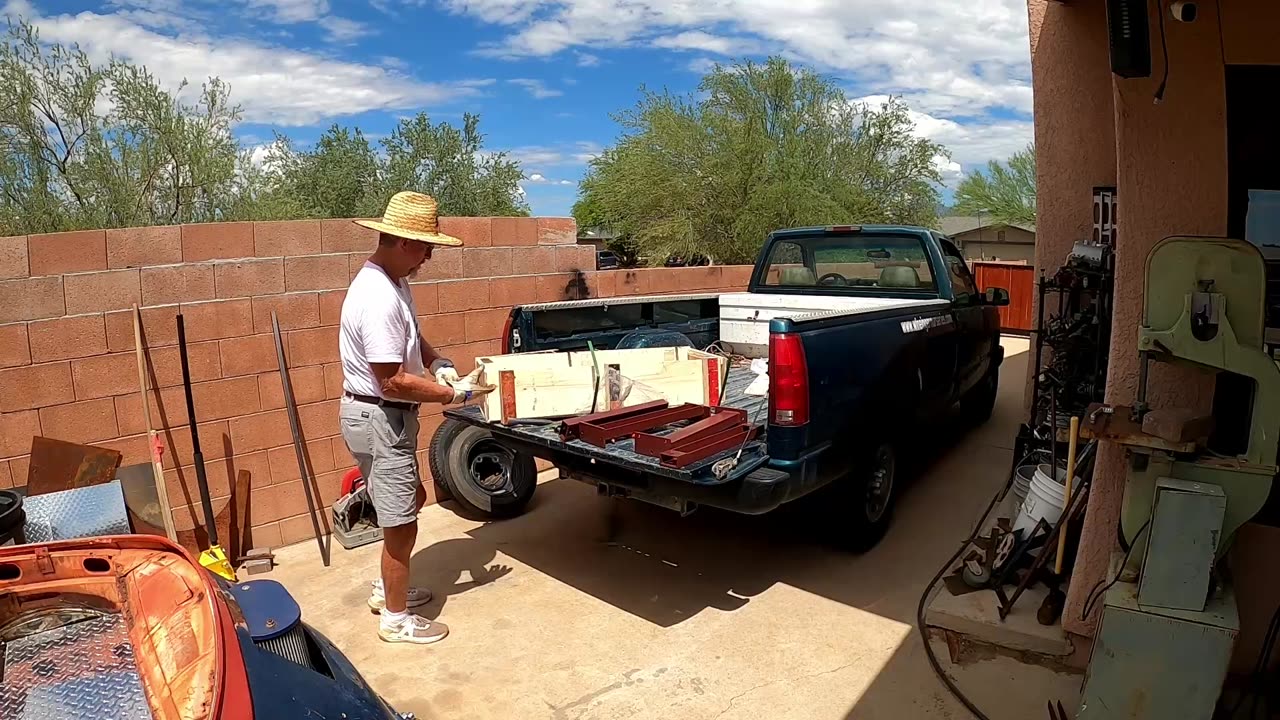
{"x":1045,"y":498}
{"x":1022,"y":481}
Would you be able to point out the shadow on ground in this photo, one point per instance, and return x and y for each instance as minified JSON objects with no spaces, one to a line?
{"x":654,"y":564}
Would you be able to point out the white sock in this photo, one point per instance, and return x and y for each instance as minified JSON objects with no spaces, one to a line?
{"x":394,"y":619}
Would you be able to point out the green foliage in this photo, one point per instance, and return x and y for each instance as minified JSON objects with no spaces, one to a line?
{"x":1006,"y":192}
{"x":759,"y":147}
{"x":86,"y":146}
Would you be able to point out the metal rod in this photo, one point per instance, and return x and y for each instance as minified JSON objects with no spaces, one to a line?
{"x":157,"y":472}
{"x":211,"y":528}
{"x":1053,"y":433}
{"x":297,"y":438}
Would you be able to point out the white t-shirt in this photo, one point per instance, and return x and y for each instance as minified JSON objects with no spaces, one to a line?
{"x":379,"y":325}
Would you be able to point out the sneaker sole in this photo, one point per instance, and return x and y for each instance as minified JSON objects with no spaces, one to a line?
{"x":423,"y":641}
{"x":377,"y":606}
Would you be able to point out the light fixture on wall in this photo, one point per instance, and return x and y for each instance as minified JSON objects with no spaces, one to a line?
{"x":1184,"y":11}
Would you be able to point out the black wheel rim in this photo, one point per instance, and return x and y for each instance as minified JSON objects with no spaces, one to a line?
{"x":490,"y":466}
{"x":880,"y":483}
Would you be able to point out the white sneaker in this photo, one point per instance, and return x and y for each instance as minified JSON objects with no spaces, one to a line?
{"x":378,"y":598}
{"x":413,"y":629}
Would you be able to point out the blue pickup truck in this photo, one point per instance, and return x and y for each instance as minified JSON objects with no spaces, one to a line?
{"x":870,"y":332}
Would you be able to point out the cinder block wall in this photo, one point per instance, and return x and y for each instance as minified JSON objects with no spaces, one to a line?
{"x":68,"y":368}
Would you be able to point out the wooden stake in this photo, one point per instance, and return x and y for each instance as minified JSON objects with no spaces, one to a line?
{"x":153,"y":440}
{"x":1072,"y":435}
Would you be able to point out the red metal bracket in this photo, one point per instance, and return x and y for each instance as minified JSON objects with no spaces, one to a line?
{"x":722,"y":419}
{"x":570,"y":428}
{"x":708,"y":447}
{"x":601,"y":435}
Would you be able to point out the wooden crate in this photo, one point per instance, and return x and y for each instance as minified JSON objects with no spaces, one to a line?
{"x":560,"y":384}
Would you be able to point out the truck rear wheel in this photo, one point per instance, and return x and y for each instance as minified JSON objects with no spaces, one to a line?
{"x":861,"y":506}
{"x":978,"y":404}
{"x":442,"y":438}
{"x":486,"y":478}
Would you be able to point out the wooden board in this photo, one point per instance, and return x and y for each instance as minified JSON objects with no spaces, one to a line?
{"x":1119,"y":427}
{"x":57,"y":465}
{"x":556,"y":385}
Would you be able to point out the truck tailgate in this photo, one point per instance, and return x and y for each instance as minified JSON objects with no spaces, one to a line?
{"x":544,"y":440}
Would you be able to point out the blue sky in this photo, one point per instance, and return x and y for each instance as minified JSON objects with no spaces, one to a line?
{"x":545,"y":75}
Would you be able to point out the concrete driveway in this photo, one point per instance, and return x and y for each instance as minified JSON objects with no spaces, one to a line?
{"x":591,"y":609}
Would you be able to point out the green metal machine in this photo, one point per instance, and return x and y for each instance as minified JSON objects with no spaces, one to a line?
{"x":1204,"y":307}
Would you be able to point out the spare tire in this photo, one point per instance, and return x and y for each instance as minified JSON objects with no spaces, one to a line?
{"x":442,"y":438}
{"x":487,"y":479}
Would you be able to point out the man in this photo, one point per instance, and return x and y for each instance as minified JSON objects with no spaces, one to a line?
{"x":384,"y":359}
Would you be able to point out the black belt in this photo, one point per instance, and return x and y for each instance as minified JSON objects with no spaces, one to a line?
{"x":372,"y":400}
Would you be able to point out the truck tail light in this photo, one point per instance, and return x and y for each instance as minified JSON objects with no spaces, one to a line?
{"x":788,"y":381}
{"x":506,"y":334}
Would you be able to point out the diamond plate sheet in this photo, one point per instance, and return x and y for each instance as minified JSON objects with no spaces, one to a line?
{"x":76,"y":513}
{"x":82,"y":671}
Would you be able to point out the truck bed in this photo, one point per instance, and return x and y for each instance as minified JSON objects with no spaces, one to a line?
{"x":621,"y":452}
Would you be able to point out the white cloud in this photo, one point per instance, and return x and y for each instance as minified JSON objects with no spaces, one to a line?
{"x":587,"y":59}
{"x":706,"y":42}
{"x":273,"y":84}
{"x":541,"y":179}
{"x":537,"y":88}
{"x":344,"y":30}
{"x":292,"y":11}
{"x":702,"y":65}
{"x":953,"y":58}
{"x":971,"y":144}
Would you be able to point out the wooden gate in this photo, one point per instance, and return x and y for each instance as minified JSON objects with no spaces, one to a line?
{"x":1019,"y":280}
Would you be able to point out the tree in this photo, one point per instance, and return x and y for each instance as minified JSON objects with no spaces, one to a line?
{"x":1007,"y":192}
{"x":87,"y":146}
{"x":759,"y":147}
{"x":343,"y":176}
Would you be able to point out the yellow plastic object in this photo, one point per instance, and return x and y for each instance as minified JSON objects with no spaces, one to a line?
{"x":215,"y":561}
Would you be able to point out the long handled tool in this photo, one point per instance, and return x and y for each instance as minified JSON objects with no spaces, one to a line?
{"x":297,"y":438}
{"x":214,"y":558}
{"x":153,"y":440}
{"x":1071,"y":473}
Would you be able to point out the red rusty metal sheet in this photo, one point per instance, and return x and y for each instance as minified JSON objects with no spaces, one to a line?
{"x":713,"y":381}
{"x":507,"y":393}
{"x":601,"y":434}
{"x":707,"y":448}
{"x":723,"y":419}
{"x":57,"y":465}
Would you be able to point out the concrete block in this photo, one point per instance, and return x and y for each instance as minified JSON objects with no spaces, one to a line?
{"x":486,"y":324}
{"x":191,"y":282}
{"x":248,"y":355}
{"x":557,"y":231}
{"x":16,"y":431}
{"x":102,"y":291}
{"x":346,"y":236}
{"x":289,"y":238}
{"x":31,"y":299}
{"x":35,"y":386}
{"x":316,"y":272}
{"x":458,"y":295}
{"x":14,"y":262}
{"x":444,"y":329}
{"x":515,"y":231}
{"x":510,"y":291}
{"x":15,"y":349}
{"x":136,"y":247}
{"x":216,"y":319}
{"x":67,"y":252}
{"x":217,"y":241}
{"x":247,"y":278}
{"x":315,"y":346}
{"x":80,"y":422}
{"x":331,"y":306}
{"x":309,"y":385}
{"x":472,"y":231}
{"x":295,"y":311}
{"x":68,"y":337}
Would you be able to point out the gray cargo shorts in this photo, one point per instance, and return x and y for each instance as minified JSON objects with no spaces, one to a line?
{"x":384,"y":443}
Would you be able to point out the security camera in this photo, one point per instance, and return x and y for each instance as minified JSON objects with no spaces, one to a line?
{"x":1184,"y":11}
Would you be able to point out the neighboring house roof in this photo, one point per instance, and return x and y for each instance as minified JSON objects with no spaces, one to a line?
{"x":956,"y":224}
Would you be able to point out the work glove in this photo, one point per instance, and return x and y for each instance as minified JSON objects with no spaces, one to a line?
{"x":469,"y":387}
{"x":444,"y":372}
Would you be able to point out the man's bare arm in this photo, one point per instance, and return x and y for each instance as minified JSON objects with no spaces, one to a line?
{"x":396,"y":383}
{"x":429,"y":354}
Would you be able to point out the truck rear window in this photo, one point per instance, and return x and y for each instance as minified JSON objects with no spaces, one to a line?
{"x":897,"y":262}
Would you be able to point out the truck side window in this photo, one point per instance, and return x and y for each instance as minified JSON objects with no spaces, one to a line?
{"x":786,"y":267}
{"x":962,"y":284}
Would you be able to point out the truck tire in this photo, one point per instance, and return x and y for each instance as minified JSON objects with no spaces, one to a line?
{"x":977,"y":405}
{"x":487,"y":479}
{"x":860,"y":507}
{"x":442,"y":438}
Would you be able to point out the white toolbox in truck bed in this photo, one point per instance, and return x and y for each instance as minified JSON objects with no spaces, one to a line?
{"x":744,"y":317}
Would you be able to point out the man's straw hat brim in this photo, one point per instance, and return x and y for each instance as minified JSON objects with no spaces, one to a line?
{"x":412,"y":216}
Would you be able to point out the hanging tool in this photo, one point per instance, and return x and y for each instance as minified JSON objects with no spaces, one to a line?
{"x":214,"y":558}
{"x":297,"y":439}
{"x":1071,"y":472}
{"x":153,"y":439}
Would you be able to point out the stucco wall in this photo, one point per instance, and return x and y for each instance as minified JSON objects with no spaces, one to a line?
{"x":1170,"y":169}
{"x":1009,"y":252}
{"x":1074,"y":125}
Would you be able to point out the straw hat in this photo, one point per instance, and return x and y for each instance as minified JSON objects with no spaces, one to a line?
{"x":412,"y":216}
